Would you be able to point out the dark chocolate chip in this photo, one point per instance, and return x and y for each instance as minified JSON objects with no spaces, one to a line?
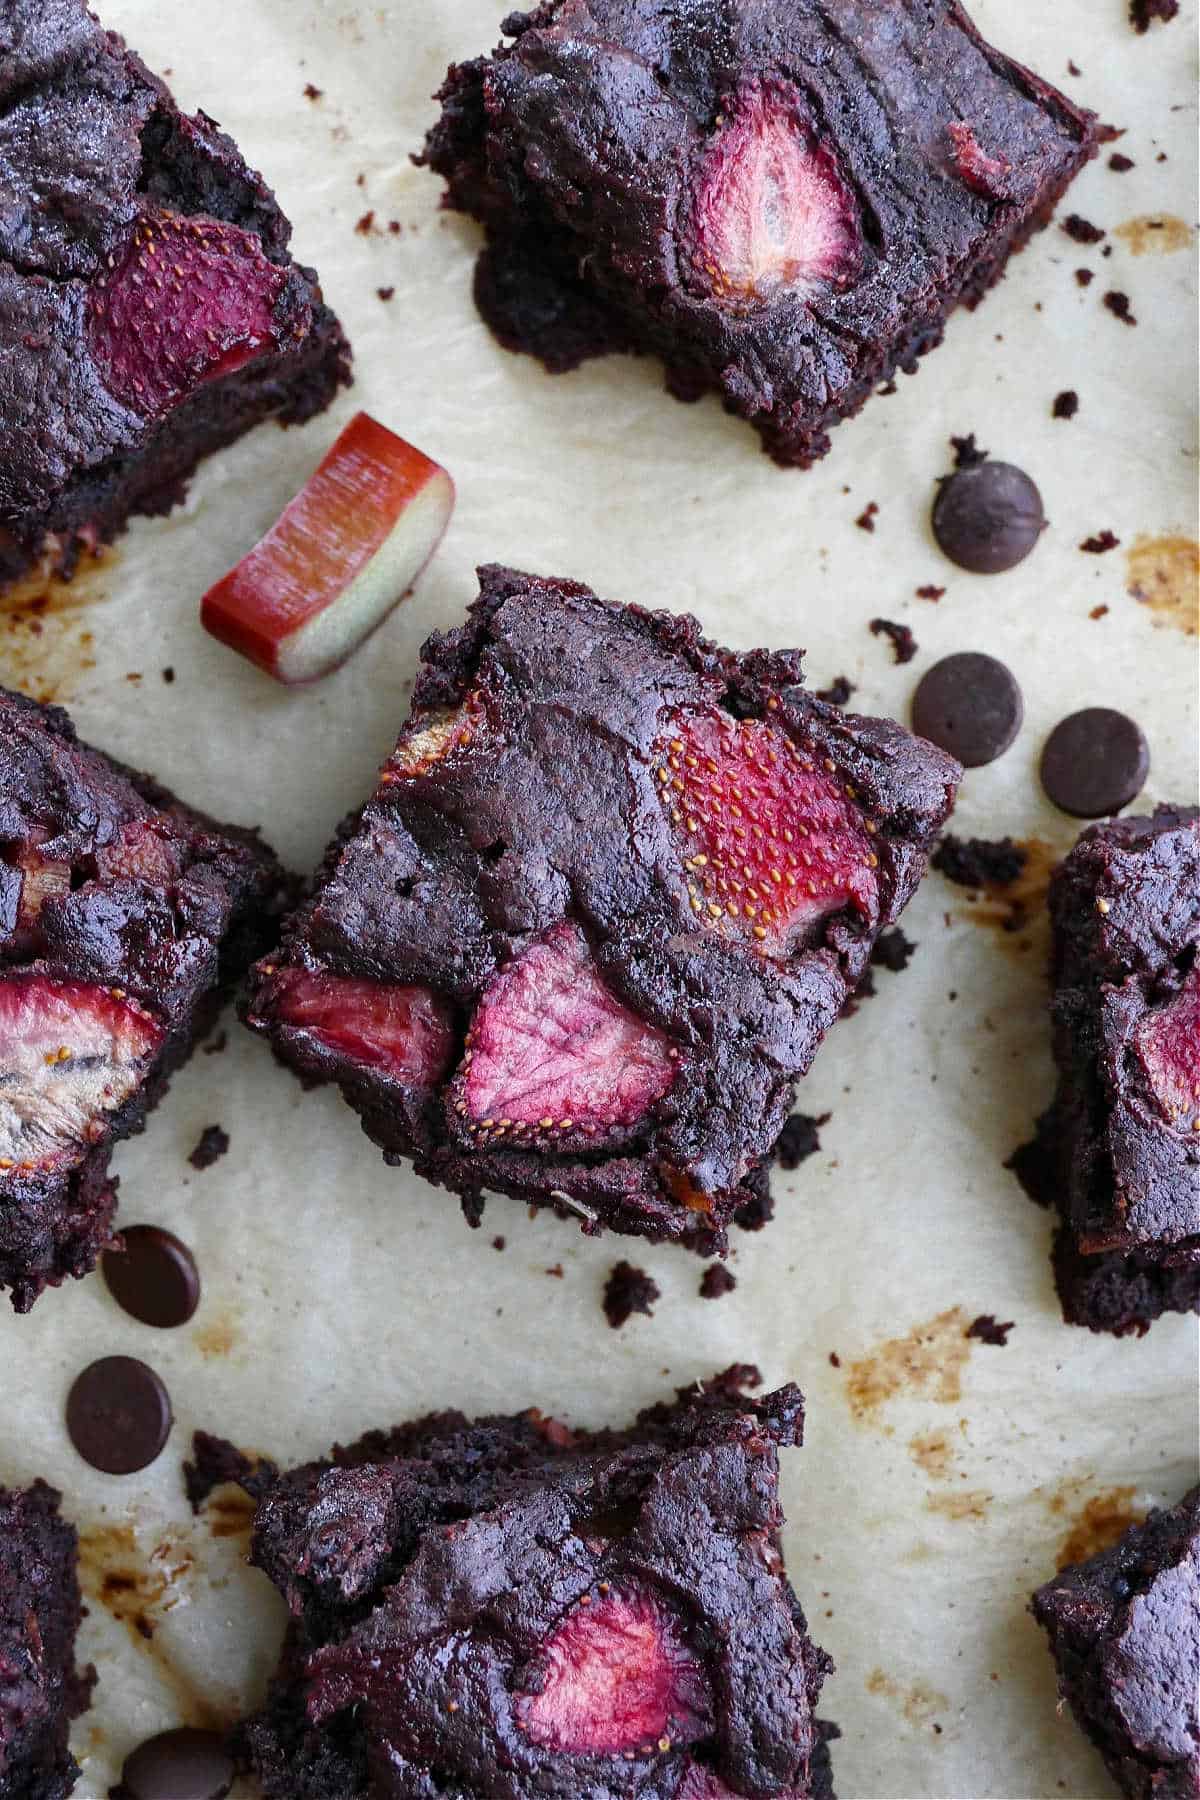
{"x":1094,"y":763}
{"x":154,"y":1278}
{"x":186,"y":1764}
{"x":970,"y":705}
{"x":987,"y":517}
{"x":118,"y":1415}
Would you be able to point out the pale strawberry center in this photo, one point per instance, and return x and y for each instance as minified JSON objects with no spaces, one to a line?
{"x":404,"y":1032}
{"x":770,"y":840}
{"x":771,"y":212}
{"x":552,"y":1048}
{"x":440,"y":732}
{"x":617,"y":1676}
{"x":1168,"y":1045}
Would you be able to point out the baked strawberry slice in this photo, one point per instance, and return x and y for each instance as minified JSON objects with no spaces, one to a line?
{"x":143,"y":851}
{"x":71,"y":1053}
{"x":432,"y":737}
{"x":188,"y":300}
{"x":770,"y":839}
{"x":771,"y":213}
{"x":552,"y":1051}
{"x":617,"y":1676}
{"x":42,"y":878}
{"x":404,"y":1032}
{"x":1167,"y":1042}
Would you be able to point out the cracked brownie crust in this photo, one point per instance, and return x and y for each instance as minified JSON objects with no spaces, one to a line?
{"x":781,"y":202}
{"x":149,"y":310}
{"x":124,"y":917}
{"x":510,"y":1608}
{"x":40,"y":1688}
{"x":614,"y":886}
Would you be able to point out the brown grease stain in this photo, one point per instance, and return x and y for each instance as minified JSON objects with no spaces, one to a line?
{"x":926,"y":1364}
{"x":218,"y":1338}
{"x":918,"y":1703}
{"x":966,"y":1503}
{"x":1018,"y":908}
{"x":1163,"y":575}
{"x":1155,"y":234}
{"x":1098,"y":1524}
{"x":230,"y":1513}
{"x":45,"y":641}
{"x":933,"y":1452}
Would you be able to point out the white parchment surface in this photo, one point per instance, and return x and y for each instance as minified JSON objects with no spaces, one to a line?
{"x":941,"y":1475}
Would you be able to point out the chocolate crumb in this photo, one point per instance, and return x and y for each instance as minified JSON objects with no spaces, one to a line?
{"x":930,"y":592}
{"x":214,"y":1142}
{"x":1118,"y":305}
{"x":988,"y":1330}
{"x":366,"y":224}
{"x":888,"y":388}
{"x":838,"y":691}
{"x":866,"y":519}
{"x":313,"y":93}
{"x":556,"y":1271}
{"x":967,"y":454}
{"x":1120,"y":165}
{"x":387,"y":293}
{"x":360,"y":180}
{"x":979,"y":862}
{"x":835,"y":1360}
{"x":629,"y":1290}
{"x":1085,"y":277}
{"x":904,"y":644}
{"x":1097,"y":612}
{"x":799,"y":1139}
{"x":1066,"y":404}
{"x":395,"y":227}
{"x":1073,"y":68}
{"x":498,"y":1243}
{"x":716,"y":1281}
{"x":892,"y":950}
{"x":217,"y":1044}
{"x":1099,"y":543}
{"x":168,"y":675}
{"x":1082,"y":231}
{"x":1142,"y":13}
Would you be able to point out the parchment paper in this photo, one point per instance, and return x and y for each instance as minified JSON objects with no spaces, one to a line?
{"x":941,"y":1475}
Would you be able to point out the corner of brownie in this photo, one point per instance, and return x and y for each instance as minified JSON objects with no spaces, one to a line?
{"x":612,"y":889}
{"x":1118,"y":1152}
{"x":149,"y":309}
{"x":508,"y":1608}
{"x":783,"y":203}
{"x":1124,"y":1630}
{"x":125,"y":917}
{"x":41,"y":1690}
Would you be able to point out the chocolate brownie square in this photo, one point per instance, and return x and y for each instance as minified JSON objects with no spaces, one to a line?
{"x":1118,"y":1153}
{"x":149,"y":309}
{"x":1124,"y":1631}
{"x":614,"y":886}
{"x":782,"y":202}
{"x":40,"y":1689}
{"x":124,"y":917}
{"x":508,"y":1608}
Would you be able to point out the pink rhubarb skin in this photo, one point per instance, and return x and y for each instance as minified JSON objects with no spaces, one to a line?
{"x":338,"y":559}
{"x":404,"y":1032}
{"x":1167,"y":1042}
{"x":552,"y":1049}
{"x":770,"y":841}
{"x":616,"y":1676}
{"x":771,"y":213}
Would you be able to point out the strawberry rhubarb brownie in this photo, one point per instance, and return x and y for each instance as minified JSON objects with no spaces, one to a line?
{"x":41,"y":1690}
{"x":613,"y":887}
{"x":508,"y":1609}
{"x":783,"y":202}
{"x":124,"y":916}
{"x":149,"y":309}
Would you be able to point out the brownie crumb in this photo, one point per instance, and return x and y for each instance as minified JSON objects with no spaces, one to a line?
{"x":1099,"y":543}
{"x":214,"y":1142}
{"x":1097,"y":612}
{"x":979,"y":862}
{"x":215,"y":1045}
{"x":556,"y":1271}
{"x":1142,"y":13}
{"x":388,"y":293}
{"x":716,"y":1281}
{"x":888,"y":388}
{"x":930,"y":592}
{"x":838,"y":691}
{"x":1066,"y":404}
{"x":313,"y":93}
{"x":835,"y":1361}
{"x":866,"y":519}
{"x":498,"y":1243}
{"x":1118,"y":305}
{"x":395,"y":227}
{"x":799,"y":1139}
{"x":967,"y":454}
{"x":904,"y":644}
{"x":629,"y":1290}
{"x":168,"y":675}
{"x":1082,"y":231}
{"x":1120,"y":165}
{"x":892,"y":950}
{"x":1085,"y":277}
{"x":988,"y":1330}
{"x":366,"y":224}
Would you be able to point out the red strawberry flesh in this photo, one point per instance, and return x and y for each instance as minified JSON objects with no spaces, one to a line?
{"x":140,"y":853}
{"x":552,"y":1049}
{"x":70,"y":1053}
{"x":771,"y":841}
{"x":188,"y":300}
{"x":617,"y":1676}
{"x":771,"y":212}
{"x":990,"y":176}
{"x":1168,"y":1046}
{"x":404,"y":1032}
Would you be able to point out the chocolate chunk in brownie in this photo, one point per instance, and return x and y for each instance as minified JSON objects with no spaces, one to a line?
{"x":508,"y":1609}
{"x":550,"y":958}
{"x":124,"y":918}
{"x":149,"y":309}
{"x":1123,"y":1630}
{"x":41,"y":1690}
{"x":782,"y":202}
